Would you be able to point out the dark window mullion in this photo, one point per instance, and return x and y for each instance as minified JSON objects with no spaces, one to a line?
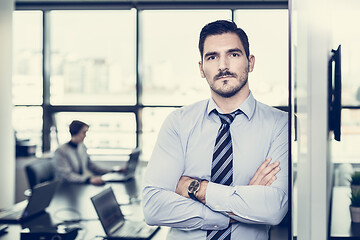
{"x":139,"y":86}
{"x":47,"y":118}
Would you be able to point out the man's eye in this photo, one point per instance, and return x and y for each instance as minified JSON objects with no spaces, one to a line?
{"x":235,"y":54}
{"x":211,"y":58}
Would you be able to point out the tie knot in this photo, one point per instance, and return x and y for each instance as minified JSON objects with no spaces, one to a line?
{"x":228,"y":118}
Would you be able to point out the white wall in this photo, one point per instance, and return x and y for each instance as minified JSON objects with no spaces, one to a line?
{"x":7,"y":144}
{"x":311,"y":50}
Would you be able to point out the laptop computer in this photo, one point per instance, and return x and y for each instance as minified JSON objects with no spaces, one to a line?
{"x":129,"y":170}
{"x":113,"y":221}
{"x":36,"y":204}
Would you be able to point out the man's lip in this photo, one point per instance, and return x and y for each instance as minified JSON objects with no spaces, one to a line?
{"x":225,"y":76}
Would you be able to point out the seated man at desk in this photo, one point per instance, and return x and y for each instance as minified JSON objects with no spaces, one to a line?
{"x":72,"y":163}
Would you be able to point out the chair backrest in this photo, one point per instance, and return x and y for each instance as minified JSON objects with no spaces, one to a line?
{"x":40,"y":171}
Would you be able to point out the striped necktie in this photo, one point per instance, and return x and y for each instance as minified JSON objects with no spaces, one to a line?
{"x":222,"y":165}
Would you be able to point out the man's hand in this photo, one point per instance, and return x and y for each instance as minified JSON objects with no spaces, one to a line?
{"x":265,"y":174}
{"x":96,"y":180}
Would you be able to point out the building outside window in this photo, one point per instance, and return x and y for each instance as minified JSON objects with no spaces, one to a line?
{"x":129,"y":69}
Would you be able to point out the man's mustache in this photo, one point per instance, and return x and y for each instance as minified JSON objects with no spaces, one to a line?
{"x":225,"y":73}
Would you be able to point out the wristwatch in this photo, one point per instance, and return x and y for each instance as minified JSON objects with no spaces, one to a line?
{"x":193,"y":187}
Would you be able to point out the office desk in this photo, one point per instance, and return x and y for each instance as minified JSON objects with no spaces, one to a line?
{"x":341,"y":225}
{"x":72,"y":201}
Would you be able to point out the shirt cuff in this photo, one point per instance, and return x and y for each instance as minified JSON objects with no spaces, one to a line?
{"x":214,"y":220}
{"x":217,"y":196}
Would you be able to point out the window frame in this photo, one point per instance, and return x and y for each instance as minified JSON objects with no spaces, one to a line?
{"x":49,"y":110}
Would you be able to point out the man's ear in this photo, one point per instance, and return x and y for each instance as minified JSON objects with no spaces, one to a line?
{"x":251,"y":63}
{"x":201,"y":69}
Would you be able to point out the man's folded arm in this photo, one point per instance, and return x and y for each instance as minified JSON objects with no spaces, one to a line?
{"x":258,"y":202}
{"x":166,"y":208}
{"x":263,"y":200}
{"x":161,"y":205}
{"x":248,"y":204}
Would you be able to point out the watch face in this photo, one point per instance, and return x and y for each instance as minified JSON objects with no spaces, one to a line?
{"x":194,"y":186}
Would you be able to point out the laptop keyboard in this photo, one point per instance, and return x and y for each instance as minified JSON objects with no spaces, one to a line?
{"x":14,"y":212}
{"x":130,"y":229}
{"x":11,"y":214}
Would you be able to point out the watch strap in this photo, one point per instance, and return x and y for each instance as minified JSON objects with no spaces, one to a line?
{"x":192,"y":196}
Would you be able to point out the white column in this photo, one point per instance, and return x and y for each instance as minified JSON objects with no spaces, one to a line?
{"x":7,"y":144}
{"x":311,"y":47}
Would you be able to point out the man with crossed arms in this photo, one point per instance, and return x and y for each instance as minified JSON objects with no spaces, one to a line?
{"x":215,"y":169}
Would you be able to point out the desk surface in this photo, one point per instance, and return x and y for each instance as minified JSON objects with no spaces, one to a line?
{"x":341,"y":225}
{"x":72,"y":201}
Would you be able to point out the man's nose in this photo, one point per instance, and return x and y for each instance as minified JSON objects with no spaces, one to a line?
{"x":223,"y":64}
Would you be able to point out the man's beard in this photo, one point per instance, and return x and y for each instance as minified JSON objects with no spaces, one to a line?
{"x":231,"y":92}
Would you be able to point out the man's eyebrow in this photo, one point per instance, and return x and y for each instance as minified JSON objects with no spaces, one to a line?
{"x":210,"y":54}
{"x":235,"y":50}
{"x":232,"y":50}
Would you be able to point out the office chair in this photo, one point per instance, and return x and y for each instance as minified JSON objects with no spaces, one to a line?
{"x":38,"y":172}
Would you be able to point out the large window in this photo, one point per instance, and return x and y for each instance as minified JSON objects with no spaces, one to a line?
{"x":124,"y":71}
{"x":27,"y":76}
{"x":27,"y":65}
{"x":93,"y":57}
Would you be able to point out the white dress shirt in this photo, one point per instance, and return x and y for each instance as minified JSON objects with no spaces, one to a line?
{"x":185,"y":147}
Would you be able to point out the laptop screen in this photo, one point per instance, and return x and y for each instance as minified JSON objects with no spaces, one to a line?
{"x":40,"y":198}
{"x":133,"y":161}
{"x":108,"y":210}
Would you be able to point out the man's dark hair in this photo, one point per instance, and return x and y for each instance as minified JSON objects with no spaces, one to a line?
{"x":220,"y":27}
{"x":76,"y":126}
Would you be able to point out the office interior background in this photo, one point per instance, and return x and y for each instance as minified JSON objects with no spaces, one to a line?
{"x":123,"y":66}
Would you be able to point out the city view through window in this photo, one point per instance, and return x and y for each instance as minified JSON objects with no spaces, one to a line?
{"x":93,"y":62}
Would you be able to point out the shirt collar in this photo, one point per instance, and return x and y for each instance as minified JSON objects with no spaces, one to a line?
{"x":72,"y":144}
{"x":247,"y":107}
